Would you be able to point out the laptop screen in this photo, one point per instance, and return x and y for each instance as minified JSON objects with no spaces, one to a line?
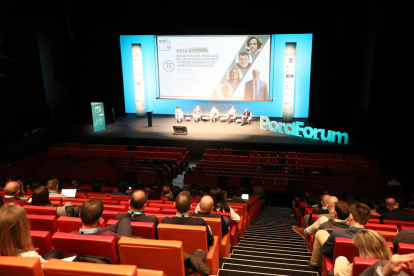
{"x":245,"y":196}
{"x":69,"y":192}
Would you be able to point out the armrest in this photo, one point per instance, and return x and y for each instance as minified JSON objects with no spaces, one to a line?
{"x":240,"y":226}
{"x":213,"y":257}
{"x":225,"y":245}
{"x":327,"y":265}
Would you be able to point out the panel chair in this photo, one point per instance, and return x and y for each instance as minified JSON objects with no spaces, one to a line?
{"x":97,"y":245}
{"x":163,"y":255}
{"x":193,"y":238}
{"x":28,"y":266}
{"x":59,"y":267}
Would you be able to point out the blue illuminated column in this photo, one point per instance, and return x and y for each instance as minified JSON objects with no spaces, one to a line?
{"x":289,"y":81}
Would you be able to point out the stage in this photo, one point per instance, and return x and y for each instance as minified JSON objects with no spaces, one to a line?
{"x":133,"y":130}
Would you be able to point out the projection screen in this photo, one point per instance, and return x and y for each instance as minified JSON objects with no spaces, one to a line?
{"x":214,"y":67}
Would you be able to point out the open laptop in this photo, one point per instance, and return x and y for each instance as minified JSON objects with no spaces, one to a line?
{"x":245,"y":196}
{"x":69,"y":192}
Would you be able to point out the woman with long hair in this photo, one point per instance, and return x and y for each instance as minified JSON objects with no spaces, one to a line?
{"x":370,"y":245}
{"x":220,"y":204}
{"x":40,"y":197}
{"x":15,"y":239}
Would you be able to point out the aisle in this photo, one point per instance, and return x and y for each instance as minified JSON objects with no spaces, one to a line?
{"x":269,"y":247}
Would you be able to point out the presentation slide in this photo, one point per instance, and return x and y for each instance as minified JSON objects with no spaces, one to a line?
{"x":214,"y":67}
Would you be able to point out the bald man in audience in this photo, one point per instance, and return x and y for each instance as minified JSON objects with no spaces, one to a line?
{"x":183,"y":205}
{"x":396,"y":213}
{"x":206,"y":205}
{"x":12,"y":190}
{"x":137,"y":204}
{"x":323,"y":210}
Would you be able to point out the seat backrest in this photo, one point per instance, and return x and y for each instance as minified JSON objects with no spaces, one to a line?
{"x":360,"y":264}
{"x":139,"y":229}
{"x":41,"y":240}
{"x":40,"y":210}
{"x":192,"y":237}
{"x":345,"y":247}
{"x":28,"y":266}
{"x":165,"y":255}
{"x":398,"y":222}
{"x":58,"y":267}
{"x":382,"y":227}
{"x":97,"y":245}
{"x":405,"y":248}
{"x":215,"y":226}
{"x":43,"y":223}
{"x":69,"y":224}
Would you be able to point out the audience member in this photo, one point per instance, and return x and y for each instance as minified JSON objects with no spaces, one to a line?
{"x":393,"y":267}
{"x":370,"y":245}
{"x":258,"y":190}
{"x":339,"y":219}
{"x":183,"y":205}
{"x":166,"y":191}
{"x":12,"y":190}
{"x":96,"y":186}
{"x":175,"y":191}
{"x":91,"y":215}
{"x":15,"y":239}
{"x":154,"y":195}
{"x":76,"y":184}
{"x":324,"y":242}
{"x":396,"y":213}
{"x":403,"y":236}
{"x":220,"y":204}
{"x":53,"y":186}
{"x":206,"y":205}
{"x":194,"y":190}
{"x":40,"y":197}
{"x":236,"y":197}
{"x":36,"y":183}
{"x":123,"y":188}
{"x":323,"y":209}
{"x":137,"y":204}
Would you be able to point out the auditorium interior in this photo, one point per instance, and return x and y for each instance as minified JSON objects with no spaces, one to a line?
{"x":56,"y":57}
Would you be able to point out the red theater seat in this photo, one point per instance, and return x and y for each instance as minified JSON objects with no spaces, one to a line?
{"x":58,"y":267}
{"x":223,"y":241}
{"x":79,"y":244}
{"x":153,"y":254}
{"x":69,"y":224}
{"x":140,"y":229}
{"x":40,"y":210}
{"x":193,"y":238}
{"x":41,"y":240}
{"x":18,"y":266}
{"x":43,"y":223}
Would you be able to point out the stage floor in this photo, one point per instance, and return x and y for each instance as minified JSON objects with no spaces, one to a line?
{"x":131,"y":129}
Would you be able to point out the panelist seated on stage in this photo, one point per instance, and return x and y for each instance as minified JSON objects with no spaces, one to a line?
{"x":214,"y":114}
{"x":179,"y":114}
{"x":247,"y":115}
{"x":231,"y":114}
{"x":197,"y":113}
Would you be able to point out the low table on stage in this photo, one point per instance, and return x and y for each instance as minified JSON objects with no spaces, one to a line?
{"x":205,"y":118}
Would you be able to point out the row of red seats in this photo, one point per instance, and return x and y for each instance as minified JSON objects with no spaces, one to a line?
{"x":289,"y":161}
{"x":30,"y":266}
{"x":290,"y":154}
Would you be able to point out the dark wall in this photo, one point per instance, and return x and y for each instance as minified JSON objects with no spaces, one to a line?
{"x":66,"y":54}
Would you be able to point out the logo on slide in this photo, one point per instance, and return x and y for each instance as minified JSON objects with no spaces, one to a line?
{"x":164,"y":44}
{"x":169,"y":66}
